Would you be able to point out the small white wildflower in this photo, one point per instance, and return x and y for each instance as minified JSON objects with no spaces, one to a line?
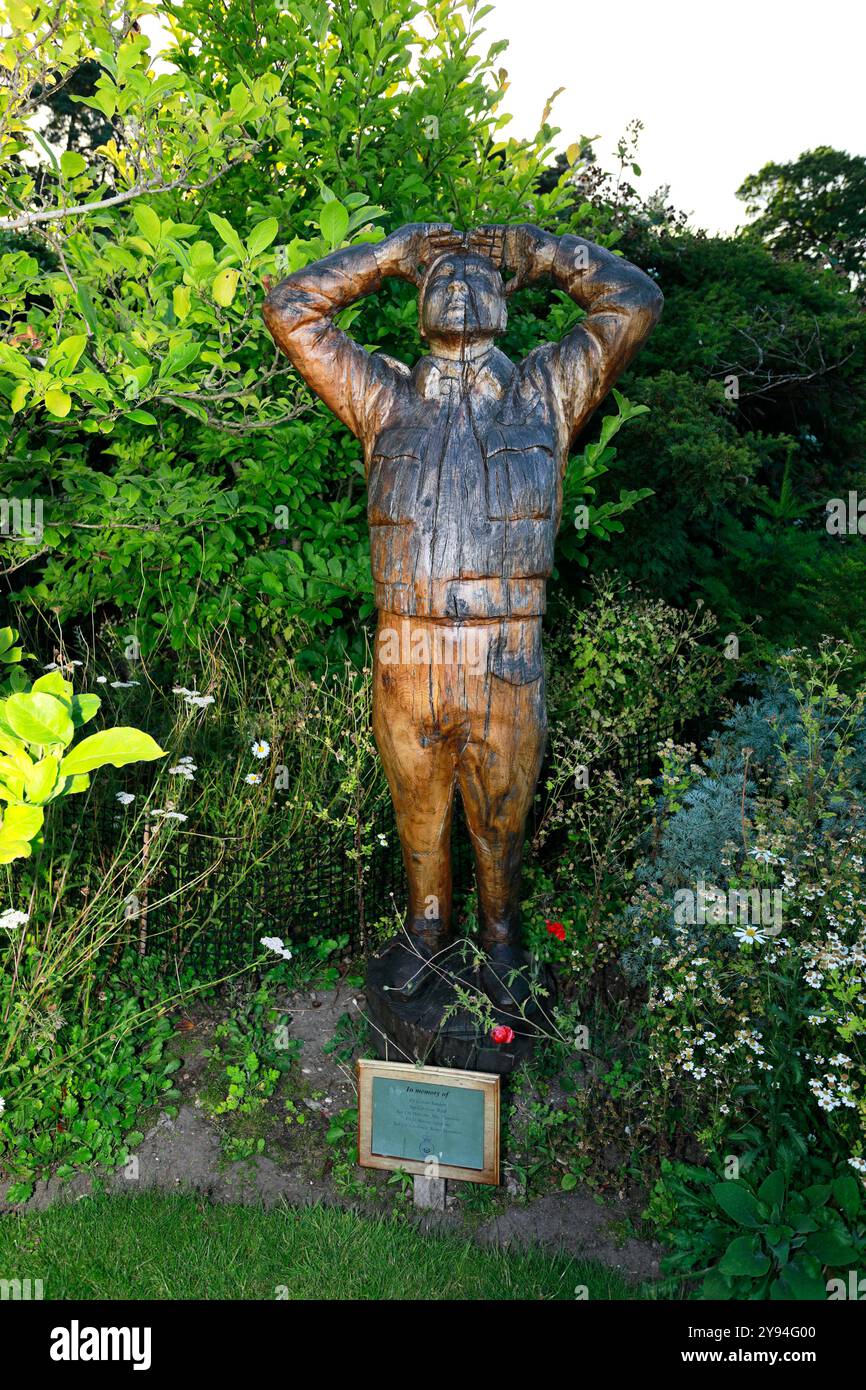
{"x":253,"y":778}
{"x":261,"y":748}
{"x":859,"y":1164}
{"x":200,"y":701}
{"x":125,"y":798}
{"x":101,"y":680}
{"x":750,"y":933}
{"x":273,"y":943}
{"x":12,"y":918}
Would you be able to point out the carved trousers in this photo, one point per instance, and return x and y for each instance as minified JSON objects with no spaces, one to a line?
{"x":460,"y":704}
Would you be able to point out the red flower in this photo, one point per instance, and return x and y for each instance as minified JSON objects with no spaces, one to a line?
{"x":502,"y":1034}
{"x":556,"y":929}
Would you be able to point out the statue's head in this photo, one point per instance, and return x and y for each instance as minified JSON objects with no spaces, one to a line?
{"x":462,"y":296}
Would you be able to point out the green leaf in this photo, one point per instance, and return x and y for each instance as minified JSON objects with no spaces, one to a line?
{"x":744,"y":1257}
{"x":85,"y":304}
{"x":116,"y":746}
{"x":180,"y":299}
{"x":20,"y":825}
{"x":84,"y":707}
{"x":54,"y":683}
{"x":227,"y":233}
{"x":737,"y":1201}
{"x":832,"y":1248}
{"x":801,"y":1279}
{"x":38,"y":718}
{"x":148,"y":223}
{"x":224,"y":286}
{"x":141,"y":417}
{"x":19,"y":1192}
{"x":847,"y":1194}
{"x":41,"y":780}
{"x":57,"y":402}
{"x":179,"y":358}
{"x":72,"y":164}
{"x":334,"y":222}
{"x":262,"y":235}
{"x":772,"y":1190}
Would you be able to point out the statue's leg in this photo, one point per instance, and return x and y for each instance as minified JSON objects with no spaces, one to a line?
{"x":418,"y":751}
{"x":498,"y":772}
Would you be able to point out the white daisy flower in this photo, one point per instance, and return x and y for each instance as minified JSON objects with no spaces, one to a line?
{"x":261,"y":748}
{"x":750,"y":933}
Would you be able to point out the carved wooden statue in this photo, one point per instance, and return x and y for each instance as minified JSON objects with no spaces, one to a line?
{"x":465,"y":456}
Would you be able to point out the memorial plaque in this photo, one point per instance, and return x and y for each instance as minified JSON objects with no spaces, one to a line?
{"x":435,"y":1121}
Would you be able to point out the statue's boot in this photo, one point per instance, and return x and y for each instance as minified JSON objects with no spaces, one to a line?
{"x":408,"y":972}
{"x":505,"y":976}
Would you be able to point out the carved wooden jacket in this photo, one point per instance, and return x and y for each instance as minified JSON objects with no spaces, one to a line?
{"x":465,"y":459}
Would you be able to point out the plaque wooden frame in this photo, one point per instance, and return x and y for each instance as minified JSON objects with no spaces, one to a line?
{"x":485,"y":1082}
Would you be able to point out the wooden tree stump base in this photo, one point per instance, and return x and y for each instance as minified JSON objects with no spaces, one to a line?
{"x":415,"y":1030}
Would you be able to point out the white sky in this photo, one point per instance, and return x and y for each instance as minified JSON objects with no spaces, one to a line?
{"x":720,"y":87}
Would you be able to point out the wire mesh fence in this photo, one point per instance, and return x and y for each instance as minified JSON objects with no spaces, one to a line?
{"x":207,"y":900}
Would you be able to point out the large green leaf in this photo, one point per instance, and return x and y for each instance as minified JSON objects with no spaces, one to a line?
{"x":334,"y":222}
{"x":40,"y":781}
{"x":832,"y":1248}
{"x":744,"y":1257}
{"x":54,"y":683}
{"x":737,"y":1201}
{"x":116,"y":746}
{"x":227,"y":232}
{"x":38,"y":717}
{"x":801,"y":1279}
{"x":262,"y":236}
{"x":84,"y":707}
{"x":21,"y":823}
{"x":772,"y":1190}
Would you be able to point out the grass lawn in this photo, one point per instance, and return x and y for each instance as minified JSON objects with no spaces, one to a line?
{"x":176,"y":1247}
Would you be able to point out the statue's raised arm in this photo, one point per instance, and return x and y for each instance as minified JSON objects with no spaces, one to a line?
{"x":358,"y":386}
{"x":621,"y":302}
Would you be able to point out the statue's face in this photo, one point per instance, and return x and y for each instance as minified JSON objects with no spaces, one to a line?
{"x":464,"y":298}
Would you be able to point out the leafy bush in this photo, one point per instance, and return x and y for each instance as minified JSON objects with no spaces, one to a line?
{"x":770,"y":1240}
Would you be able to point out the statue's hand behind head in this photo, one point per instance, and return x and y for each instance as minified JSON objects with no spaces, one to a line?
{"x":519,"y":249}
{"x":407,"y":252}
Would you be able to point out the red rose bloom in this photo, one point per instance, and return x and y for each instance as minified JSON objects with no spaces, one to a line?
{"x":502,"y":1034}
{"x":556,"y":929}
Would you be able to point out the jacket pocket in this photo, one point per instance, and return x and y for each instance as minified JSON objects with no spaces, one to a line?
{"x":522,"y":476}
{"x":515,"y":654}
{"x":395,"y":471}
